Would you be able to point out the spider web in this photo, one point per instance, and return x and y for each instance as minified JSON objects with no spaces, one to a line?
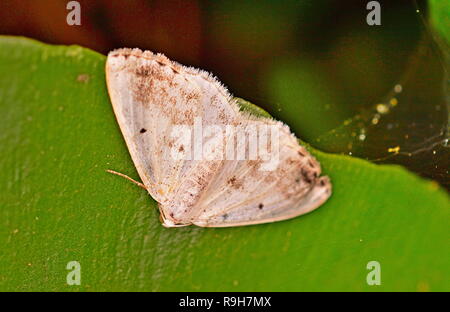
{"x":409,"y":126}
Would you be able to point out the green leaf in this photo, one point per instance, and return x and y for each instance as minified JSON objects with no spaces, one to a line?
{"x":440,"y":17}
{"x":59,"y":135}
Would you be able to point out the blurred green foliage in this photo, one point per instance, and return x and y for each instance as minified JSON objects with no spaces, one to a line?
{"x":440,"y":17}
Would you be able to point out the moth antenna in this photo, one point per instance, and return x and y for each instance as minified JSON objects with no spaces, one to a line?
{"x":128,"y":178}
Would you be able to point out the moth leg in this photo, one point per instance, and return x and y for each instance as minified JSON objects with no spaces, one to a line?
{"x":128,"y":178}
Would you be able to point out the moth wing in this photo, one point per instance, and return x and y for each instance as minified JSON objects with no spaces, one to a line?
{"x":151,"y":95}
{"x":244,"y":194}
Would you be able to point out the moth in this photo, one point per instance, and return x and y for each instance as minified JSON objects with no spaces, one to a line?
{"x":247,"y":170}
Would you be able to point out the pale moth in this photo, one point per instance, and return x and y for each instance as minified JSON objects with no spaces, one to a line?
{"x":203,"y":160}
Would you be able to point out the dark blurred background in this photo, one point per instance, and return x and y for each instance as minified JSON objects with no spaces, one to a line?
{"x":375,"y":92}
